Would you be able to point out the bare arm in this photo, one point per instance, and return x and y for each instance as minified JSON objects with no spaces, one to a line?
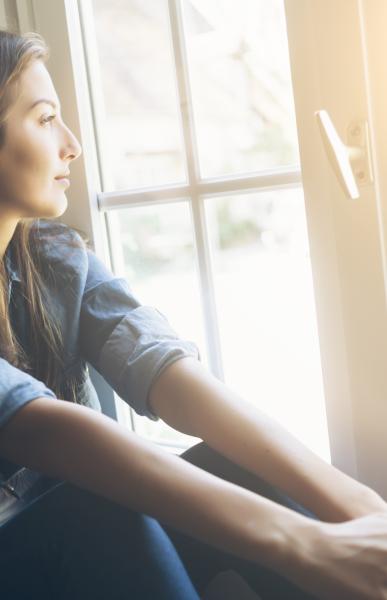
{"x":189,"y":398}
{"x":87,"y":448}
{"x":75,"y":443}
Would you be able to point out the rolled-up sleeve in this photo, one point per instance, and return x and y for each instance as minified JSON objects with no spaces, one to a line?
{"x":17,"y":388}
{"x":130,"y":344}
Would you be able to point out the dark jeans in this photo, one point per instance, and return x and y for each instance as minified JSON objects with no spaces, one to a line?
{"x":71,"y":544}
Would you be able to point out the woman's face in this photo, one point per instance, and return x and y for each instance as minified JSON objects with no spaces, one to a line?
{"x":38,"y":148}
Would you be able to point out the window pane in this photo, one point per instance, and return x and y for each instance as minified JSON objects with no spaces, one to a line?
{"x":265,"y":301}
{"x":139,"y":93}
{"x":159,"y":263}
{"x":241,"y":85}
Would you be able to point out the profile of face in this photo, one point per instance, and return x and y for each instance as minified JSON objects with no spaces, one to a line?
{"x":38,"y":148}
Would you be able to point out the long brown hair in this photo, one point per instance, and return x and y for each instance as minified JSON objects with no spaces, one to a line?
{"x":46,"y":359}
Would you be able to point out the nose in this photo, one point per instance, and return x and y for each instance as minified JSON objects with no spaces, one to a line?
{"x":71,"y":148}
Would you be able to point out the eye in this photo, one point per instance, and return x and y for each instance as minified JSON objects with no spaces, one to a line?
{"x":47,"y":119}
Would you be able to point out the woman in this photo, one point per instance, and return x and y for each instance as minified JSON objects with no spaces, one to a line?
{"x":116,"y":516}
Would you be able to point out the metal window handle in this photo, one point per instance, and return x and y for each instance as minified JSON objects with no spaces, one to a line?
{"x":350,"y":162}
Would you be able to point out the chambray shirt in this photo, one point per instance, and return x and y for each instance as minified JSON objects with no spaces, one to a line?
{"x":102,"y":323}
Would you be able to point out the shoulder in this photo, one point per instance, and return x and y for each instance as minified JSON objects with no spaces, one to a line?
{"x":49,"y":230}
{"x":58,"y":247}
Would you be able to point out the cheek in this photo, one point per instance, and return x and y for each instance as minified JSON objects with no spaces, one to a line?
{"x":22,"y":185}
{"x":31,"y":159}
{"x":29,"y":169}
{"x":32,"y":147}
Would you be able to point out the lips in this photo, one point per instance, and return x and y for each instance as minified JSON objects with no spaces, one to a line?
{"x":65,"y":176}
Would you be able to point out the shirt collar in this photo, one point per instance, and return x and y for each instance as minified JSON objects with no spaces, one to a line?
{"x":10,"y":264}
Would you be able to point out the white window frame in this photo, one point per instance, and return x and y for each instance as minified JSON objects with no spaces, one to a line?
{"x":335,"y":49}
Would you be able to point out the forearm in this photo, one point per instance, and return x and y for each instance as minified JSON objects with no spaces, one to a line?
{"x":190,"y":398}
{"x":77,"y":444}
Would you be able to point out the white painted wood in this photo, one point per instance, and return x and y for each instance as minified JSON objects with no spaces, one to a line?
{"x":25,"y":16}
{"x":3,"y":16}
{"x":94,"y":97}
{"x":373,"y":29}
{"x":346,"y":239}
{"x":219,"y":186}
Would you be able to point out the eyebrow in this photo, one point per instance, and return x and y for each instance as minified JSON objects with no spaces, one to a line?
{"x":41,"y":101}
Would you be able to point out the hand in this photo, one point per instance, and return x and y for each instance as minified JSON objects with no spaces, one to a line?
{"x":346,"y":561}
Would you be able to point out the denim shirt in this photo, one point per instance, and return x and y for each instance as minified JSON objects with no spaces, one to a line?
{"x":102,"y":323}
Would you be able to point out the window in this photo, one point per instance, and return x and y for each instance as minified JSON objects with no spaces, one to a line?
{"x":203,"y":196}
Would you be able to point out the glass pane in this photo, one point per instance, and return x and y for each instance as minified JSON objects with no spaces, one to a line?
{"x":241,"y":85}
{"x":265,"y":301}
{"x":158,"y":260}
{"x":142,"y":127}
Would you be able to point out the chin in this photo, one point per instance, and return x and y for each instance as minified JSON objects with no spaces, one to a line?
{"x":46,"y":208}
{"x":53,"y":209}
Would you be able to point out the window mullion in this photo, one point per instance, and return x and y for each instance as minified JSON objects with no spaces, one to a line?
{"x":256,"y":182}
{"x":197,"y":206}
{"x":205,"y":273}
{"x":184,"y":92}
